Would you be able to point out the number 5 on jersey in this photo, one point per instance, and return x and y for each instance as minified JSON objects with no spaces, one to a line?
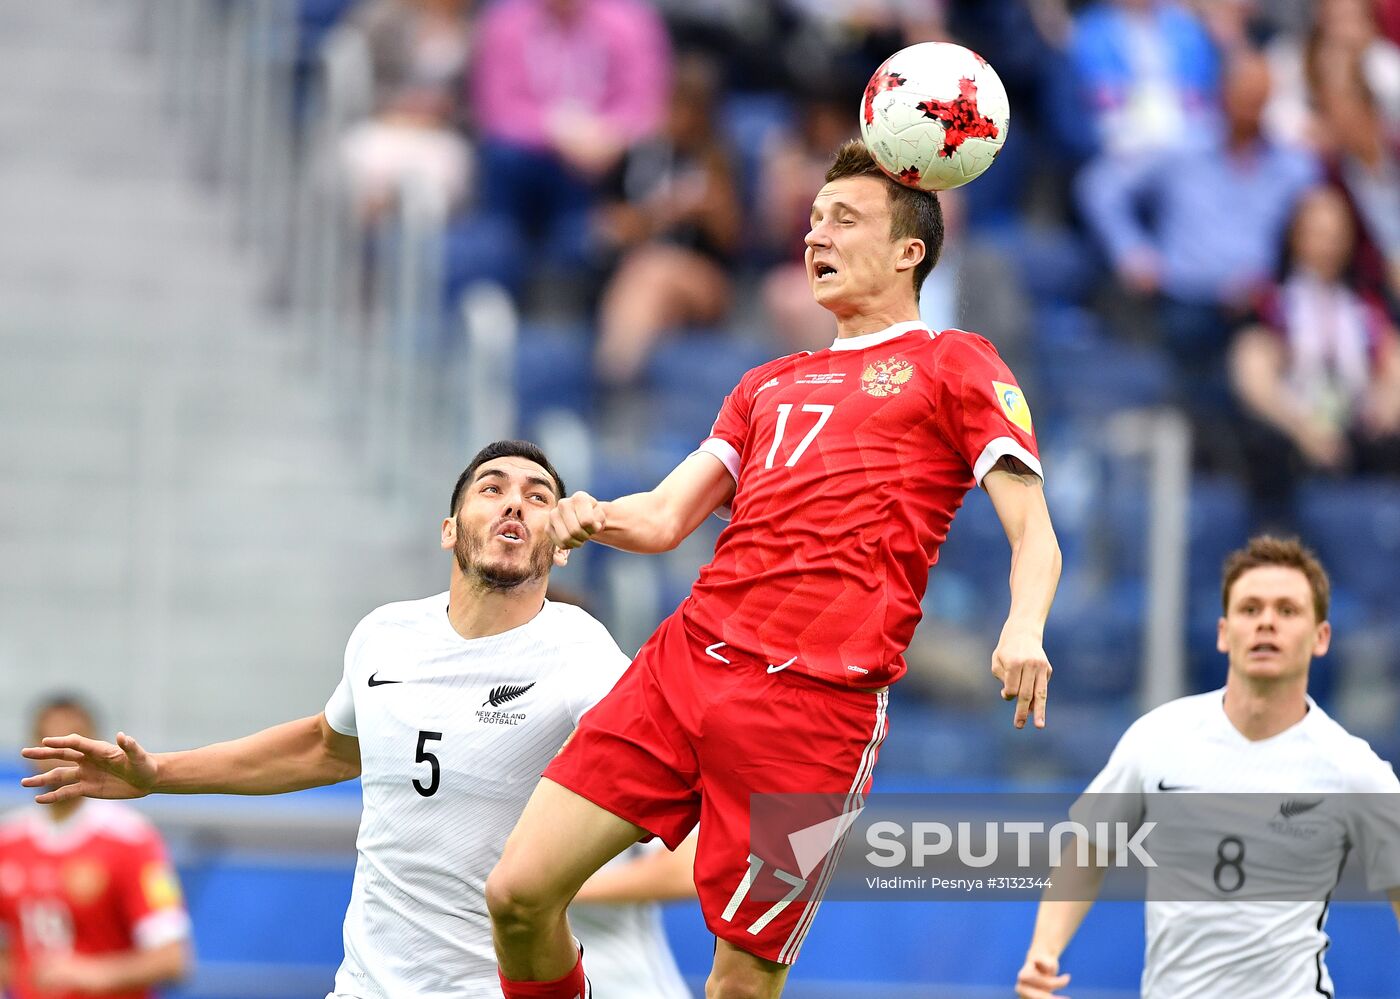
{"x":421,"y":755}
{"x":784,"y":411}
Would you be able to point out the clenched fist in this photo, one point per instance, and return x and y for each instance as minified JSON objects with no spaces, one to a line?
{"x":576,"y":519}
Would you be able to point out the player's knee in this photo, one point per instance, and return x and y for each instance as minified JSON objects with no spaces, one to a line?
{"x":515,"y":903}
{"x":741,"y":983}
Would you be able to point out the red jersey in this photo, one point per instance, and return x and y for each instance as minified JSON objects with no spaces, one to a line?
{"x":849,"y":465}
{"x":96,"y":883}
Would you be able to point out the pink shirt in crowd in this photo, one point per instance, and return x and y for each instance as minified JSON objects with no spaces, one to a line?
{"x":612,"y":58}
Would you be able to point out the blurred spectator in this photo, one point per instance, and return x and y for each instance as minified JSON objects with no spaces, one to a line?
{"x":840,"y":39}
{"x":1149,"y":71}
{"x":418,"y":50}
{"x":1341,"y":96}
{"x":1319,"y":376}
{"x":410,"y":140}
{"x":1218,"y":208}
{"x":421,"y":42}
{"x":673,"y":223}
{"x":89,"y":905}
{"x":793,"y":167}
{"x":1342,"y":39}
{"x":559,"y":90}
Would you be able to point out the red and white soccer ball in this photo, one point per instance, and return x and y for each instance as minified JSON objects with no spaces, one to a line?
{"x":934,"y":116}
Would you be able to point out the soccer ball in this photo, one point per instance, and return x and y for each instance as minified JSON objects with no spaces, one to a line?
{"x":934,"y":116}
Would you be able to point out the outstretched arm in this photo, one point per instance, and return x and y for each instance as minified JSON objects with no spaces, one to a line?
{"x":288,"y":757}
{"x":653,"y":521}
{"x":1019,"y":660}
{"x":1061,"y":911}
{"x":107,"y":974}
{"x":659,"y":876}
{"x":1395,"y":902}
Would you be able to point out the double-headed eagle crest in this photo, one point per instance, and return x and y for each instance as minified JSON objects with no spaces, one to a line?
{"x":886,"y":377}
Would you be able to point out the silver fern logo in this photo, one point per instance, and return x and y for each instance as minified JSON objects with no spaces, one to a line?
{"x":1296,"y":806}
{"x":505,"y":692}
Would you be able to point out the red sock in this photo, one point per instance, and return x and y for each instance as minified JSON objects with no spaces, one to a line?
{"x":572,"y":986}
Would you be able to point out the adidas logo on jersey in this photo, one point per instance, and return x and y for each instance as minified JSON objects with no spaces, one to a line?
{"x":501,"y":695}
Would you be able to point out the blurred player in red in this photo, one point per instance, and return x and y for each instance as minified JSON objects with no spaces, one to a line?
{"x":841,"y":471}
{"x":89,"y":904}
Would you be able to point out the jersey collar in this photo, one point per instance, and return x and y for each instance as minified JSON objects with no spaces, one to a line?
{"x":875,"y":339}
{"x":59,"y":837}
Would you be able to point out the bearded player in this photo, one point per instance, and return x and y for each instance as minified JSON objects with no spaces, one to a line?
{"x":448,"y":709}
{"x":840,"y":471}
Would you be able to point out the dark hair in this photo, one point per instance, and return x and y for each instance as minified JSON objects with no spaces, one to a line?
{"x":62,"y":701}
{"x":1287,"y":552}
{"x":504,"y":449}
{"x":912,"y":212}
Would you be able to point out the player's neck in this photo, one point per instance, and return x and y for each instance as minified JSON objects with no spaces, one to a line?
{"x":478,"y":611}
{"x":63,"y":811}
{"x":1262,"y":709}
{"x":875,"y":319}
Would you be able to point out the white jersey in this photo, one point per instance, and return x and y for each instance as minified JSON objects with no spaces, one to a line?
{"x":1245,"y":949}
{"x":624,"y":946}
{"x":454,"y":734}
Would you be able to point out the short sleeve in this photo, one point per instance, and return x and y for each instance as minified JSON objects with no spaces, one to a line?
{"x":1375,"y":831}
{"x":340,"y":709}
{"x":730,"y":433}
{"x":150,"y":895}
{"x":980,"y":410}
{"x":1115,"y":794}
{"x":603,"y":665}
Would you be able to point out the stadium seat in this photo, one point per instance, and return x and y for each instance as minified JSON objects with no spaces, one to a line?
{"x":1085,"y":372}
{"x":1355,"y":529}
{"x":926,"y":742}
{"x":554,"y":370}
{"x":483,"y":247}
{"x":748,"y":121}
{"x":1055,"y":264}
{"x":687,"y":379}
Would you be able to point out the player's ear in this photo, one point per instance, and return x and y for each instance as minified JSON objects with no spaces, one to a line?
{"x":1322,"y":641}
{"x":449,"y":533}
{"x":561,"y":557}
{"x":911,"y":255}
{"x":1220,"y":644}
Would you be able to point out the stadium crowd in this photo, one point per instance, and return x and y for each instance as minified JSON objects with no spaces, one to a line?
{"x":1198,"y":208}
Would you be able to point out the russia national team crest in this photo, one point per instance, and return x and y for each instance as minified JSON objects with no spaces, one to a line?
{"x":886,"y":377}
{"x":84,"y":881}
{"x":1013,"y":404}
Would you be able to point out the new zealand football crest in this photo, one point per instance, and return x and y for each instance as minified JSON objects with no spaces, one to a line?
{"x":886,"y":377}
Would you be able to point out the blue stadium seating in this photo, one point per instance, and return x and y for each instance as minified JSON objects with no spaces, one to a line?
{"x":688,"y":377}
{"x":1084,"y":372}
{"x":554,"y":370}
{"x":1355,"y":529}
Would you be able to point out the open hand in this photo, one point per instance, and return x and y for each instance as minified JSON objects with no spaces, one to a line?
{"x":89,"y":768}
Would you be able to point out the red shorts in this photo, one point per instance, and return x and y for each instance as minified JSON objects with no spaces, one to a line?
{"x":689,"y":734}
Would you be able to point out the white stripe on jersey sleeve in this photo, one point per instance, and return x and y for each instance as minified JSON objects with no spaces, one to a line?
{"x":161,"y":928}
{"x":725,"y":452}
{"x":999,"y":448}
{"x":722,"y":450}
